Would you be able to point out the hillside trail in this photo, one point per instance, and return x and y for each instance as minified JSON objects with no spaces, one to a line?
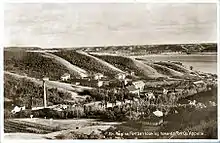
{"x":63,"y":87}
{"x":102,"y":62}
{"x":73,"y":68}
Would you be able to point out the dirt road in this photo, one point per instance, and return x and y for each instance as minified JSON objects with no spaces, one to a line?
{"x":64,"y":87}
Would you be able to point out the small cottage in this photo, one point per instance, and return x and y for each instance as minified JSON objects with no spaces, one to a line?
{"x":120,"y":76}
{"x":65,"y":77}
{"x":98,"y":76}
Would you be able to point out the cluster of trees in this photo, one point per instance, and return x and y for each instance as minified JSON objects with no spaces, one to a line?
{"x":111,"y":95}
{"x":24,"y":92}
{"x":85,"y":62}
{"x":33,"y":64}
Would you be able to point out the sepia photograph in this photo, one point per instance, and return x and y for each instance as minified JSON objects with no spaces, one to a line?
{"x":107,"y":71}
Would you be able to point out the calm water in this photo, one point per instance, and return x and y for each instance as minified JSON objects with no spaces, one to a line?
{"x":204,"y":63}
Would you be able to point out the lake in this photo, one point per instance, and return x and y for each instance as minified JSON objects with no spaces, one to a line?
{"x":203,"y":63}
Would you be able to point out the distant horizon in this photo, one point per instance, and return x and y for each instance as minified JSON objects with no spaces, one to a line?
{"x":32,"y":46}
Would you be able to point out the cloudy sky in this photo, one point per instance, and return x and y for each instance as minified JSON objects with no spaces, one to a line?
{"x":72,"y":25}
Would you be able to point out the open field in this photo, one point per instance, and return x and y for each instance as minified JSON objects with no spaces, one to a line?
{"x":85,"y":126}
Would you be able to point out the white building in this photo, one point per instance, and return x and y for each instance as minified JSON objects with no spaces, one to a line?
{"x":121,"y":76}
{"x":132,"y":73}
{"x":98,"y":76}
{"x":65,"y":77}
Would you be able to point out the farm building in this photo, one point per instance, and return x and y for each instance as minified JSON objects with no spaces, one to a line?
{"x":65,"y":77}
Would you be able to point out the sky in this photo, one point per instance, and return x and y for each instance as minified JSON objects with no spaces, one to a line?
{"x":58,"y":25}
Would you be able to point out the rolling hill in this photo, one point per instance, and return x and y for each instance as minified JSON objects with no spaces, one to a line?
{"x":88,"y":62}
{"x":33,"y":64}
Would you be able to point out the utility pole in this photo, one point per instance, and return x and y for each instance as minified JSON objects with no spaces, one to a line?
{"x":45,"y":93}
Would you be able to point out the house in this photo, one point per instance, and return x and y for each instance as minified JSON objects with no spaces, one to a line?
{"x":65,"y":77}
{"x":45,"y":79}
{"x":132,"y":73}
{"x":100,"y":83}
{"x":127,"y":81}
{"x":132,"y":89}
{"x":161,"y":90}
{"x":17,"y":109}
{"x":98,"y":76}
{"x":121,"y":76}
{"x":139,"y":85}
{"x":87,"y":78}
{"x":150,"y":95}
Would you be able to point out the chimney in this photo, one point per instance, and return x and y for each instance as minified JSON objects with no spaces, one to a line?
{"x":45,"y":93}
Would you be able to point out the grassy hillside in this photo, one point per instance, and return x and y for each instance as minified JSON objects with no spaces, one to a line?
{"x":123,"y":63}
{"x":24,"y":92}
{"x":32,"y":64}
{"x":174,"y":66}
{"x":85,"y":62}
{"x":166,"y":71}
